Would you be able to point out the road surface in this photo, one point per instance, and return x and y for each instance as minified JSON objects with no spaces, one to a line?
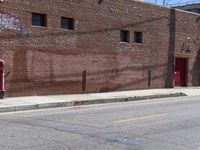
{"x":160,"y":124}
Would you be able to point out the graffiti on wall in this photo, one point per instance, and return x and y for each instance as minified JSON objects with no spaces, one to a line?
{"x":9,"y":22}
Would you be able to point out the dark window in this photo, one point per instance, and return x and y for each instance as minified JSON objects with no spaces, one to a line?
{"x":124,"y":36}
{"x":39,"y":19}
{"x":138,"y":37}
{"x":67,"y":23}
{"x":195,"y":10}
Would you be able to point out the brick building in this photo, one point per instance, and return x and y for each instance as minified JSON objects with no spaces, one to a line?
{"x":75,"y":46}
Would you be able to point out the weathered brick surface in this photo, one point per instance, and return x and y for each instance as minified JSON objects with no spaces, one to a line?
{"x":50,"y":60}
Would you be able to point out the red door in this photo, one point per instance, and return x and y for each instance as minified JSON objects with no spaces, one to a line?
{"x":180,"y":71}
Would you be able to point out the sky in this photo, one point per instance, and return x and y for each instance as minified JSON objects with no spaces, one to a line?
{"x":169,"y":1}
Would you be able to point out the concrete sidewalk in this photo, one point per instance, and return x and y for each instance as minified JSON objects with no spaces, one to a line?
{"x":40,"y":102}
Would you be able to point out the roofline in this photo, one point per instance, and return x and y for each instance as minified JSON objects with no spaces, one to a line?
{"x":168,"y":8}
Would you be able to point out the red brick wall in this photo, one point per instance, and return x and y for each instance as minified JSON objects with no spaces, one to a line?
{"x":50,"y":60}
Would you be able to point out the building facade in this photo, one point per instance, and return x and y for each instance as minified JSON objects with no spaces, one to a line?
{"x":77,"y":46}
{"x":190,"y":7}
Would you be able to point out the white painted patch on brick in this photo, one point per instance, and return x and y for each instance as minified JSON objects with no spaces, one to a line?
{"x":10,"y":22}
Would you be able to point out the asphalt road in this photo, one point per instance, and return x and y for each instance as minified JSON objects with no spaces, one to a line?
{"x":162,"y":124}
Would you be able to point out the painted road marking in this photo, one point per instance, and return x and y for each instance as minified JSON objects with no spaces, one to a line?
{"x":140,"y":118}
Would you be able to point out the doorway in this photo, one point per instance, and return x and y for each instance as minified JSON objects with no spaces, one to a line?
{"x":181,"y":72}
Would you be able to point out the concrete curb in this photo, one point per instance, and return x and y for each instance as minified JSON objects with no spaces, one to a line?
{"x":87,"y":102}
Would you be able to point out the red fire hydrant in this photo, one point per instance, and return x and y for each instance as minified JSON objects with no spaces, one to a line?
{"x":2,"y":87}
